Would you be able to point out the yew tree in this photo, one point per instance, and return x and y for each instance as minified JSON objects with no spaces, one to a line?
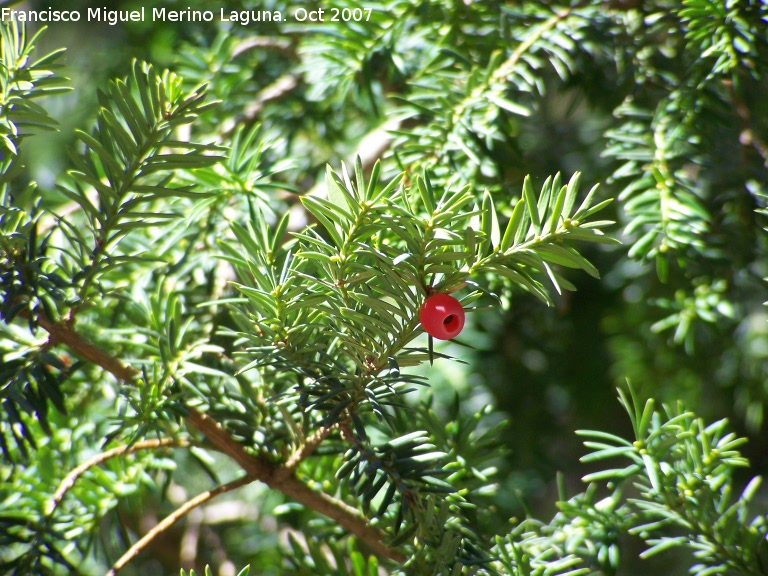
{"x":333,"y":297}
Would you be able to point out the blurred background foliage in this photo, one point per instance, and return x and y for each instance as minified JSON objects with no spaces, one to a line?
{"x":665,"y":103}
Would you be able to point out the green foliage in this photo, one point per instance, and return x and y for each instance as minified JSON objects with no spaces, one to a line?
{"x":130,"y":161}
{"x":200,"y":277}
{"x":679,"y":476}
{"x":362,"y":285}
{"x":687,"y":483}
{"x":33,"y":382}
{"x":666,"y":145}
{"x":41,"y":530}
{"x":23,"y":81}
{"x":469,"y":101}
{"x":315,"y":557}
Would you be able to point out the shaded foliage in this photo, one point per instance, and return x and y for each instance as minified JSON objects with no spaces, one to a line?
{"x":208,"y":250}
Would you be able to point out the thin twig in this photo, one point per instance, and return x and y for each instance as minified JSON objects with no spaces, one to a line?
{"x":308,"y":446}
{"x":280,"y":478}
{"x":346,"y":516}
{"x":69,"y":481}
{"x":174,"y":517}
{"x":273,"y":43}
{"x":507,"y":67}
{"x":190,"y":540}
{"x":275,"y":91}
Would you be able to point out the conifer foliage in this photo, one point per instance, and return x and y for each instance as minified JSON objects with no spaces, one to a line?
{"x":215,"y":298}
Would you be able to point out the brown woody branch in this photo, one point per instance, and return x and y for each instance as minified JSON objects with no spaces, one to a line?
{"x":309,"y":446}
{"x":174,"y":517}
{"x":62,"y":333}
{"x":278,"y":477}
{"x":282,"y":478}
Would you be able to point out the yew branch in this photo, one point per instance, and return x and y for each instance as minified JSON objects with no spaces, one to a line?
{"x":174,"y":517}
{"x":279,"y":477}
{"x":70,"y":479}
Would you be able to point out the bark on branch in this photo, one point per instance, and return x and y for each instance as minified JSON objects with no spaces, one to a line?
{"x":278,"y":477}
{"x":174,"y":517}
{"x":70,"y":479}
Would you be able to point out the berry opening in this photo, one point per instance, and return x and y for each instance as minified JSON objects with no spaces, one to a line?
{"x":442,"y":316}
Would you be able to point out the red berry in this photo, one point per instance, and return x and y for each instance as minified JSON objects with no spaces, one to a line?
{"x":442,"y":316}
